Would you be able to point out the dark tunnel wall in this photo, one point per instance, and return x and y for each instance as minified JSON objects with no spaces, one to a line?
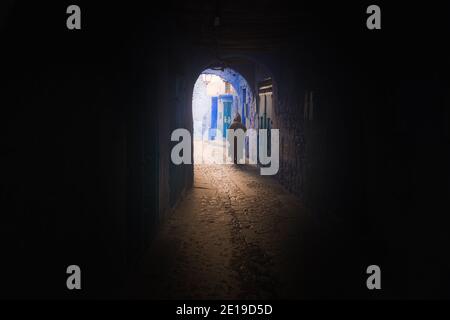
{"x":85,"y":150}
{"x":87,"y":118}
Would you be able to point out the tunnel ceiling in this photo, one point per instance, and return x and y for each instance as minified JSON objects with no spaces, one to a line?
{"x":243,"y":25}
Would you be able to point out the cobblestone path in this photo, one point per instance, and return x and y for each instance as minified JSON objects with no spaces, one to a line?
{"x":235,"y":235}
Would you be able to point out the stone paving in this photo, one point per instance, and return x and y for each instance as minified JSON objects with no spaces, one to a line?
{"x":235,"y":235}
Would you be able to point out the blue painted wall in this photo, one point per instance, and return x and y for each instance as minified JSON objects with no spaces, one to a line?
{"x":212,"y":132}
{"x":239,"y":83}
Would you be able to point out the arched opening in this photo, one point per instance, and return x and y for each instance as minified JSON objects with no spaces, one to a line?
{"x":219,"y":97}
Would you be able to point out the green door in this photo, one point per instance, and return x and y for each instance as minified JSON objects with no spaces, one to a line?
{"x":226,"y":116}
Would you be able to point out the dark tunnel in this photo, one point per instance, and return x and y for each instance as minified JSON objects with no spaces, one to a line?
{"x":87,"y":177}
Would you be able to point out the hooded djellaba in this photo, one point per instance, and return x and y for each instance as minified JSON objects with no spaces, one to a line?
{"x":236,"y":124}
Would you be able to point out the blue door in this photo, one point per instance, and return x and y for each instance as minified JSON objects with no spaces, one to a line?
{"x":212,"y":131}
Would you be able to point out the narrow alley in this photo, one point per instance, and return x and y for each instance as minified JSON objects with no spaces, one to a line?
{"x":106,"y":193}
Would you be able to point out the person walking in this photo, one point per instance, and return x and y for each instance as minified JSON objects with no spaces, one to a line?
{"x":236,"y":124}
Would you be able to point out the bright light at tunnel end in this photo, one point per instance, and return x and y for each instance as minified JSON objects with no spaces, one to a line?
{"x":182,"y":152}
